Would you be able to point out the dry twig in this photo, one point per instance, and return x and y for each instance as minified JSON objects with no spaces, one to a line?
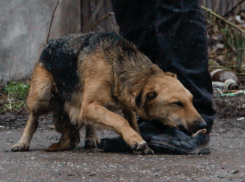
{"x":223,"y":19}
{"x":103,"y":18}
{"x":234,"y":8}
{"x":87,"y":27}
{"x":50,"y":26}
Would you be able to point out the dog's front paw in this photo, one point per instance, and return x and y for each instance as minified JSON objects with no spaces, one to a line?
{"x":19,"y":147}
{"x":142,"y":148}
{"x":91,"y":143}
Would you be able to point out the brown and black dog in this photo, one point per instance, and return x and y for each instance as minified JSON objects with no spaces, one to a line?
{"x":79,"y":77}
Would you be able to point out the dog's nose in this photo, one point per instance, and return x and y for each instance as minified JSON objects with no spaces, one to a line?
{"x":202,"y":126}
{"x":197,"y":125}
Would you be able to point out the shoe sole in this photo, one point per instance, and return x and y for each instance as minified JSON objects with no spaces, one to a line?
{"x":163,"y":147}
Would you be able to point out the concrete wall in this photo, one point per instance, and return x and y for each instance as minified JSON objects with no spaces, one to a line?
{"x":24,"y":28}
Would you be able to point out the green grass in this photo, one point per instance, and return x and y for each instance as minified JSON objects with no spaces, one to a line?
{"x":18,"y":90}
{"x":16,"y":95}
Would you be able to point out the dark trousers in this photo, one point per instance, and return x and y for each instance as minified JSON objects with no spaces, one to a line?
{"x":172,"y":34}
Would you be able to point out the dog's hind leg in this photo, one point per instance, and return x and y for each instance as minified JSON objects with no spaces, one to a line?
{"x":91,"y":138}
{"x":69,"y":133}
{"x":37,"y":104}
{"x":131,"y":117}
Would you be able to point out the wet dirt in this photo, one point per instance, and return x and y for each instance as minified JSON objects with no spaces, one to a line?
{"x":225,"y":163}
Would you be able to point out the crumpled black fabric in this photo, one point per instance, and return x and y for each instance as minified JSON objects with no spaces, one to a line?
{"x":164,"y":141}
{"x":172,"y":34}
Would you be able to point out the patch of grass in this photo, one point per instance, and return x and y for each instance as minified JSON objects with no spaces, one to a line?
{"x":17,"y":90}
{"x":16,"y":93}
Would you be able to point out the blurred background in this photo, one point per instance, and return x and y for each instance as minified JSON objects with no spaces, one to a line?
{"x":25,"y":24}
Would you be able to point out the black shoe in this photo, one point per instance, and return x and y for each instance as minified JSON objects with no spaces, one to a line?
{"x":162,"y":140}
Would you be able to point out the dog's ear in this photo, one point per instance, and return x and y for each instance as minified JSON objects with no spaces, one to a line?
{"x":143,"y":96}
{"x":171,"y":74}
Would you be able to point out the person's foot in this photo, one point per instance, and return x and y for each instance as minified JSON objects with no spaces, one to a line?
{"x":162,"y":140}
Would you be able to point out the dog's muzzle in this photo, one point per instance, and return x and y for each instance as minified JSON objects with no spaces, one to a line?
{"x":198,"y":127}
{"x":199,"y":131}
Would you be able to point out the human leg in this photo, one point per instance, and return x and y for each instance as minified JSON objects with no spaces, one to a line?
{"x":172,"y":34}
{"x":181,"y":33}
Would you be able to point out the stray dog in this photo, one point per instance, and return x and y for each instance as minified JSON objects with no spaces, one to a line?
{"x":78,"y":77}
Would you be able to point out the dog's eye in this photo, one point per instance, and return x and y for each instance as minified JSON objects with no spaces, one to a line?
{"x":151,"y":95}
{"x":178,"y":103}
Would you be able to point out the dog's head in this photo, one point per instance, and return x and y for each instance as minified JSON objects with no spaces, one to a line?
{"x":164,"y":98}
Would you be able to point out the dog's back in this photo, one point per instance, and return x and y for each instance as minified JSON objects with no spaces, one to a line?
{"x":60,"y":57}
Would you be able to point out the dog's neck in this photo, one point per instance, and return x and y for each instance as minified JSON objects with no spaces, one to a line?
{"x":131,"y":73}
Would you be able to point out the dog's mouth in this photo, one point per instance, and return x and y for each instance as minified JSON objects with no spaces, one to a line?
{"x":203,"y":131}
{"x":182,"y":128}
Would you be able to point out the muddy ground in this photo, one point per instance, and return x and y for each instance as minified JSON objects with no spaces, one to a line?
{"x":225,"y":163}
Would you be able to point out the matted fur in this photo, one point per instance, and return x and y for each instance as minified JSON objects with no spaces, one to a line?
{"x":85,"y":74}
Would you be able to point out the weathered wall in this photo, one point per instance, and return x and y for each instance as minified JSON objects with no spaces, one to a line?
{"x":24,"y":27}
